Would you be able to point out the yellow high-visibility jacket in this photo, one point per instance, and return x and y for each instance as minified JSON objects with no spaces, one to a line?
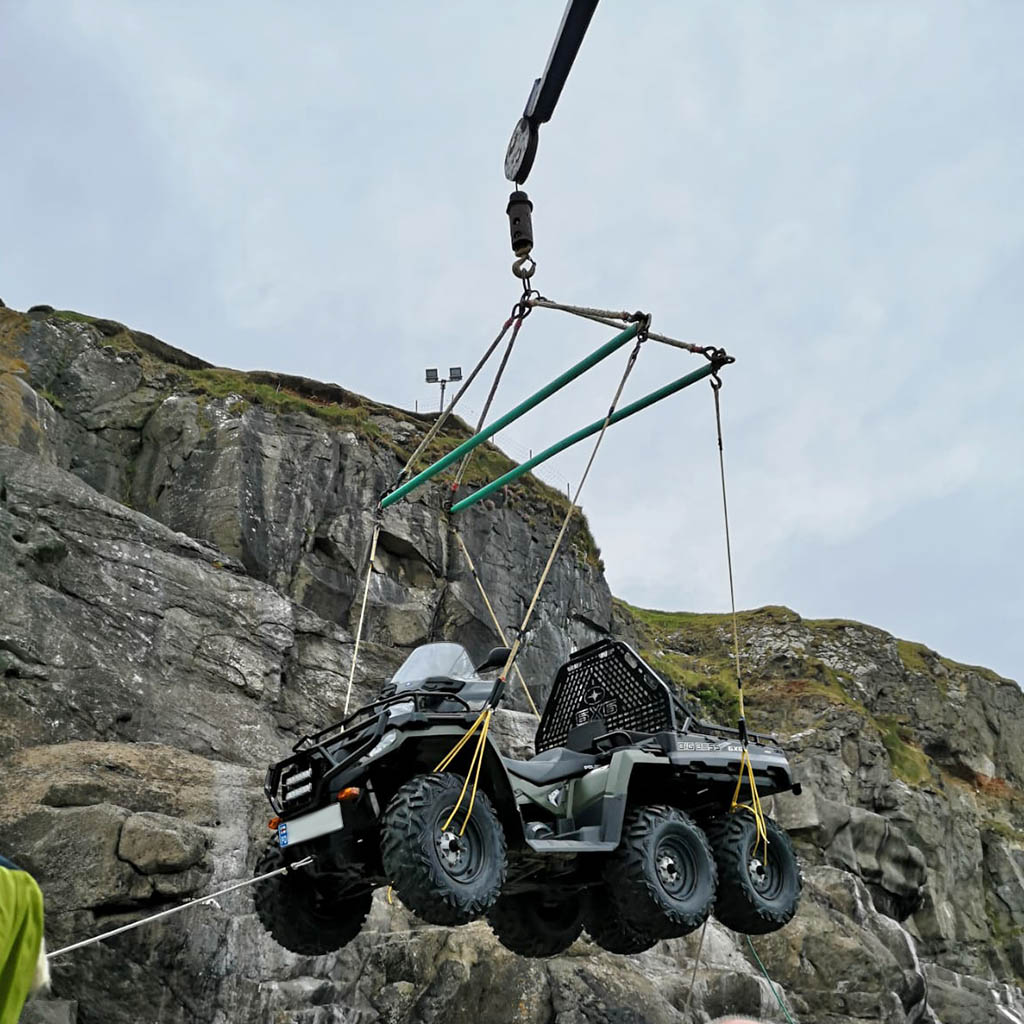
{"x":21,"y":938}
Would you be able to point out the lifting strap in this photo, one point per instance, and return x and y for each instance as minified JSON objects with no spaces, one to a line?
{"x":516,"y":316}
{"x":494,"y":617}
{"x":490,"y":396}
{"x":612,"y":318}
{"x":746,"y":768}
{"x":362,"y":610}
{"x":484,"y":718}
{"x":519,"y":312}
{"x":641,"y":336}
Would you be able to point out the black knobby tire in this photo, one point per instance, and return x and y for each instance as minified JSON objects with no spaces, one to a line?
{"x":604,"y":922}
{"x":534,"y":925}
{"x":304,"y":914}
{"x":443,"y":877}
{"x":757,"y":894}
{"x":663,"y":873}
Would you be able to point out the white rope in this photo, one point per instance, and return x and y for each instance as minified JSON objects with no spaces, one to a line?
{"x":611,"y":318}
{"x":175,"y":910}
{"x":392,"y":935}
{"x":494,"y":616}
{"x":362,"y":614}
{"x":518,"y":642}
{"x":440,"y":421}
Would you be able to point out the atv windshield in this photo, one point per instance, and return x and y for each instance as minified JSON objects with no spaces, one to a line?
{"x":448,"y":660}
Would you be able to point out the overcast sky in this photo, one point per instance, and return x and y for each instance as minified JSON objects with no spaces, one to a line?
{"x":831,"y":191}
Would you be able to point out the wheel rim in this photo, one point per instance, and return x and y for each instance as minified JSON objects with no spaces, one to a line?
{"x":676,"y":867}
{"x":767,"y":876}
{"x":460,"y":856}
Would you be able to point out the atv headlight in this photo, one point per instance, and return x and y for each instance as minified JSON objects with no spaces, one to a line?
{"x":294,"y":794}
{"x":383,"y":743}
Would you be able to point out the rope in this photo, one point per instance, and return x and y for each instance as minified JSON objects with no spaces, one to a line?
{"x":439,"y":422}
{"x":716,"y":387}
{"x":484,"y":719}
{"x":771,"y":984}
{"x":450,"y":756}
{"x":494,"y":617}
{"x":490,"y":399}
{"x":754,"y":806}
{"x":519,"y":311}
{"x":641,"y":336}
{"x":611,"y":318}
{"x":474,"y":773}
{"x":696,"y":964}
{"x":208,"y":899}
{"x":362,"y":613}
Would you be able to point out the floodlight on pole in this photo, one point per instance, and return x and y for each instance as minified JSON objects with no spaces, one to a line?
{"x":454,"y":374}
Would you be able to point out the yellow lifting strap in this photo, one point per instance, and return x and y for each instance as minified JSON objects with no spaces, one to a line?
{"x":754,"y":807}
{"x":746,"y":768}
{"x":484,"y":720}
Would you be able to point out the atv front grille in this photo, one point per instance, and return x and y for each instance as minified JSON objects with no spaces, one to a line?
{"x":606,"y":683}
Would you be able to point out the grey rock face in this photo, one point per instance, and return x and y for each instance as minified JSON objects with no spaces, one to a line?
{"x":290,"y":496}
{"x":179,"y":581}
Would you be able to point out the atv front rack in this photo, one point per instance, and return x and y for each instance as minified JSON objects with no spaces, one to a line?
{"x":331,"y":733}
{"x":326,"y":754}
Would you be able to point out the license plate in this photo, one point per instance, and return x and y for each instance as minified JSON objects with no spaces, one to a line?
{"x":309,"y":826}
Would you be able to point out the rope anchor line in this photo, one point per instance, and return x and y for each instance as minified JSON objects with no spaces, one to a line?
{"x":209,"y":900}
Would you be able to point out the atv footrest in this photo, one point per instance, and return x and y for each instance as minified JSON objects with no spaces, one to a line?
{"x":580,"y":840}
{"x":571,"y":846}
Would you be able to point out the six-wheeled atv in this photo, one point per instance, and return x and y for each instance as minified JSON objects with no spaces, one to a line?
{"x":621,"y":824}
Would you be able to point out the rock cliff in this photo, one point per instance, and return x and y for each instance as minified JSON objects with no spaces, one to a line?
{"x":181,"y":549}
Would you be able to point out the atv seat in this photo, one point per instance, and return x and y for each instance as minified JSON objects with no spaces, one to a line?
{"x":550,"y":766}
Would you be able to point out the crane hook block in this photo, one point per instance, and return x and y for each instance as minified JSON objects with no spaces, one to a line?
{"x":520,"y":222}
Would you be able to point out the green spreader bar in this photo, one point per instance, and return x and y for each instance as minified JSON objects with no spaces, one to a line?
{"x":589,"y":431}
{"x":524,"y":407}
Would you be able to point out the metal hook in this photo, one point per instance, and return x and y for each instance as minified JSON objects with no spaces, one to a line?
{"x":520,"y":269}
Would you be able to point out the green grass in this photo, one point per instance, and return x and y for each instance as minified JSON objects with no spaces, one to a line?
{"x":693,"y":652}
{"x":708,"y":621}
{"x":12,"y":326}
{"x":1008,"y":832}
{"x":909,"y":762}
{"x":912,"y":656}
{"x":53,"y":399}
{"x":222,"y":383}
{"x":715,"y":688}
{"x":986,"y":673}
{"x":70,"y":314}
